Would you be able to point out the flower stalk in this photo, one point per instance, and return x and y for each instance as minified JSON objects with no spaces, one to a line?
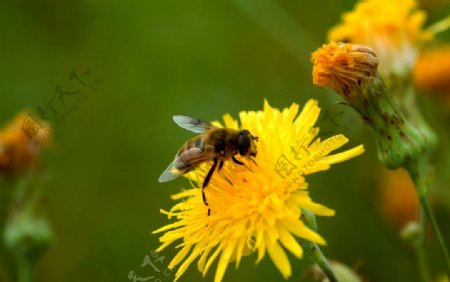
{"x":27,"y":232}
{"x":420,"y":248}
{"x":313,"y":250}
{"x":316,"y":255}
{"x":417,"y":171}
{"x":413,"y":233}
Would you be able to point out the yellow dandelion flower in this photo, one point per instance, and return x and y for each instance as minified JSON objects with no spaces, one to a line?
{"x":256,"y":207}
{"x":21,"y":142}
{"x":393,"y":28}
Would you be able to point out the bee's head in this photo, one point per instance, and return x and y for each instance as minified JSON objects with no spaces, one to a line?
{"x":246,"y":144}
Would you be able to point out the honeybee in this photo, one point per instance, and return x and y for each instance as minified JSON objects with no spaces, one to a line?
{"x":213,"y":143}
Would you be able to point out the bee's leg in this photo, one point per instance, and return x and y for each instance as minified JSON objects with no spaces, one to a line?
{"x":210,"y":173}
{"x":237,"y":161}
{"x":220,"y":165}
{"x":206,"y":181}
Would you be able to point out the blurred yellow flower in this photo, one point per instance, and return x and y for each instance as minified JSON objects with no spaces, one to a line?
{"x":21,"y":142}
{"x":256,"y":207}
{"x":397,"y":198}
{"x":432,"y":70}
{"x":442,"y":278}
{"x":394,"y":29}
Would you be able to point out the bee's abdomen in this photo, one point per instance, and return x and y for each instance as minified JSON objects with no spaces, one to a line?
{"x":186,"y":157}
{"x":196,"y":142}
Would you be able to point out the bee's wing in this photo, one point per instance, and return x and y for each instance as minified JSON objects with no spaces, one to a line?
{"x":170,"y":173}
{"x":192,"y":124}
{"x":185,"y":162}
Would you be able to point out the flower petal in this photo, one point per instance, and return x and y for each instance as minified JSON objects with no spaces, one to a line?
{"x":279,"y":258}
{"x":289,"y":242}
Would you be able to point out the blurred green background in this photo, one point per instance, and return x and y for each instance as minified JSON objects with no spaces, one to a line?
{"x":201,"y":58}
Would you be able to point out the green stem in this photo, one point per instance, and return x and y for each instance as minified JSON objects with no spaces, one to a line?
{"x":313,"y":250}
{"x":419,"y":247}
{"x":4,"y":273}
{"x":427,"y":208}
{"x":318,"y":257}
{"x":416,"y":171}
{"x":25,"y":268}
{"x":27,"y":232}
